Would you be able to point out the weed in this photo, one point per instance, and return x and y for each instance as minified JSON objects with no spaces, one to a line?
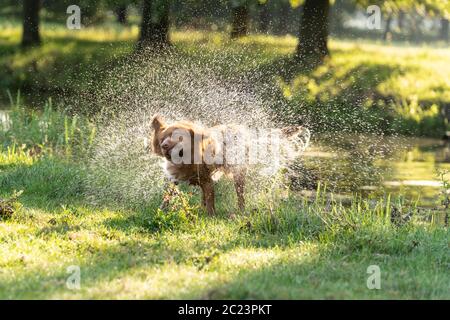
{"x":10,"y":205}
{"x":176,"y":211}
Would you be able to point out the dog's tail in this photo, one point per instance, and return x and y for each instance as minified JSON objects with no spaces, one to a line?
{"x":298,"y":138}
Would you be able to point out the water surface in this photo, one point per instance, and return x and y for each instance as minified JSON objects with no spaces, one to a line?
{"x":376,"y":165}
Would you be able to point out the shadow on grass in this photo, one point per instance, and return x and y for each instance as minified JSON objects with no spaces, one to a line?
{"x":46,"y":183}
{"x":113,"y":253}
{"x":59,"y":66}
{"x":340,"y":276}
{"x":101,"y":264}
{"x":188,"y":269}
{"x":335,"y":82}
{"x":188,"y":256}
{"x":334,"y":97}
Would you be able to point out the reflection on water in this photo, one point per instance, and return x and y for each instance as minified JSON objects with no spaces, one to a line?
{"x":375,"y":165}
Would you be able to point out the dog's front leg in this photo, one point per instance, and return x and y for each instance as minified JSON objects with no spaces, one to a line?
{"x":171,"y":191}
{"x":208,"y":197}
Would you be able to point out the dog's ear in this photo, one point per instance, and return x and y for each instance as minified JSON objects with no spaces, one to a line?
{"x":289,"y":131}
{"x":157,"y":125}
{"x":298,"y":137}
{"x":157,"y":122}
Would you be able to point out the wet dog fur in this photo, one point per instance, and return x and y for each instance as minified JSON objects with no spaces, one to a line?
{"x":200,"y":173}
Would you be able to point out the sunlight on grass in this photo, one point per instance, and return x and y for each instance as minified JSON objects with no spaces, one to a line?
{"x":12,"y":32}
{"x":420,"y":73}
{"x":213,"y":258}
{"x":14,"y":155}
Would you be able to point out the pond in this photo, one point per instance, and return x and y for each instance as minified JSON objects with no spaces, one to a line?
{"x":377,"y":165}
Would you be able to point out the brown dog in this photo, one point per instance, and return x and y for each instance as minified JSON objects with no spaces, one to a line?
{"x":194,"y":154}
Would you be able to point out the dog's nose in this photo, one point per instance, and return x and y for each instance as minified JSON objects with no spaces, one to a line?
{"x":165,"y":146}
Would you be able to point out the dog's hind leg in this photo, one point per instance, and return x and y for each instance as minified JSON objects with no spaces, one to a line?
{"x":208,"y":196}
{"x":203,"y":199}
{"x":239,"y":185}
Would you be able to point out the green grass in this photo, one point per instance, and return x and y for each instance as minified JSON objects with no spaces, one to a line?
{"x":365,"y":86}
{"x":283,"y":247}
{"x":288,"y":253}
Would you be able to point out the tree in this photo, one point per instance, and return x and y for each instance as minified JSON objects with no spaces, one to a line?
{"x":313,"y":35}
{"x":155,"y":25}
{"x":121,"y":13}
{"x":314,"y":26}
{"x":443,"y":35}
{"x":264,"y":16}
{"x":387,"y":30}
{"x":240,"y":19}
{"x":30,"y":33}
{"x":441,"y":8}
{"x":284,"y":8}
{"x":119,"y":7}
{"x":398,"y":7}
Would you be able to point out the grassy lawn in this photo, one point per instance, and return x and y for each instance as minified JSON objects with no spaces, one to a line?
{"x":283,"y":247}
{"x":298,"y":251}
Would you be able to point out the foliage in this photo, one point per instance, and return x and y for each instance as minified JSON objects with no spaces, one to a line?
{"x":387,"y":86}
{"x":9,"y":206}
{"x":46,"y":131}
{"x":445,"y":193}
{"x":15,"y":155}
{"x":175,"y":213}
{"x":441,"y":7}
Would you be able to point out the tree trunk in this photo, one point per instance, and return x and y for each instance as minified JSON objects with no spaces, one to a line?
{"x":121,"y":13}
{"x":264,"y":17}
{"x":30,"y":35}
{"x":444,"y":29}
{"x":336,"y":18}
{"x":401,"y":20}
{"x":313,"y":36}
{"x":155,"y":25}
{"x":240,"y":21}
{"x":387,"y":31}
{"x":284,"y":16}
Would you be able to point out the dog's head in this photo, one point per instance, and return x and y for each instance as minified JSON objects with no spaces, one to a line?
{"x":298,"y":139}
{"x":181,"y":142}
